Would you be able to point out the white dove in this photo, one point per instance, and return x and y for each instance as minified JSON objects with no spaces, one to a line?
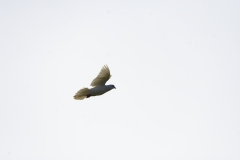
{"x":98,"y":85}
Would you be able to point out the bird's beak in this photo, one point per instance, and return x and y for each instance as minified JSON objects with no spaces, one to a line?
{"x":114,"y":87}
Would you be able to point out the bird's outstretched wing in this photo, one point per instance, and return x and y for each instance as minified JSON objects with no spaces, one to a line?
{"x":102,"y":77}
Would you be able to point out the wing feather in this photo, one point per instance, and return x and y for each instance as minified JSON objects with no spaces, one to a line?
{"x":102,"y":77}
{"x":81,"y":94}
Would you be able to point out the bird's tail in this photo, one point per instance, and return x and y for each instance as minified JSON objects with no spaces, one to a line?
{"x":82,"y":93}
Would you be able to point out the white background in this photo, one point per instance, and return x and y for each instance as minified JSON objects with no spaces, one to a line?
{"x":175,"y":65}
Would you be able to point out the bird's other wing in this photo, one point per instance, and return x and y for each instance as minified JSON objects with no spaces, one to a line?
{"x":102,"y":77}
{"x":82,"y":93}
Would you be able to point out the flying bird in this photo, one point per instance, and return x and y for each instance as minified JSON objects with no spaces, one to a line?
{"x":98,"y":85}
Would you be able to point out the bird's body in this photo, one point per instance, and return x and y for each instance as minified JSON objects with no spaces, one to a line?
{"x":96,"y":91}
{"x":98,"y":84}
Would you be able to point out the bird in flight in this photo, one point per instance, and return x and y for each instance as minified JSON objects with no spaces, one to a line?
{"x":98,"y":85}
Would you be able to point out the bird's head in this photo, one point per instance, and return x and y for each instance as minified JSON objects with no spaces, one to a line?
{"x":112,"y":86}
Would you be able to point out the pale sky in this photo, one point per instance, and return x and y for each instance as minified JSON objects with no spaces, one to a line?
{"x":175,"y":64}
